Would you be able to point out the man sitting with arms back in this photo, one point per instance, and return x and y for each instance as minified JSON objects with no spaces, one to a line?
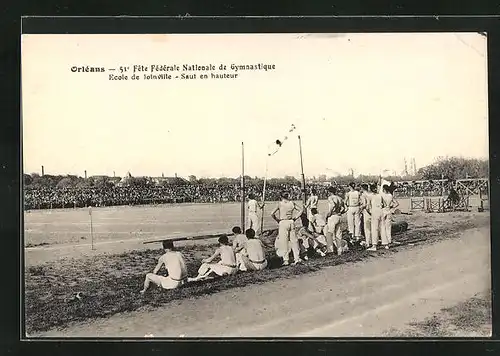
{"x":226,"y":265}
{"x":255,"y":257}
{"x":175,"y":266}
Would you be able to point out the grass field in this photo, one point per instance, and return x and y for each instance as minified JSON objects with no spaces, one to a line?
{"x":72,"y":226}
{"x":109,"y":284}
{"x":471,"y":318}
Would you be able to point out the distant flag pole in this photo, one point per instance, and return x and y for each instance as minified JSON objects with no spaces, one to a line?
{"x":242,"y":187}
{"x":91,"y":228}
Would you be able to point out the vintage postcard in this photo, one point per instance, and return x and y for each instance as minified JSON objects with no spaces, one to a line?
{"x":256,"y":185}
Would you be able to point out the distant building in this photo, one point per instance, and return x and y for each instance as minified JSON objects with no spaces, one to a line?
{"x":125,"y":180}
{"x":169,"y":180}
{"x":99,"y":177}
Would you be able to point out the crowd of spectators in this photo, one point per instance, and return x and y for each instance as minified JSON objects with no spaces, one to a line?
{"x":52,"y":198}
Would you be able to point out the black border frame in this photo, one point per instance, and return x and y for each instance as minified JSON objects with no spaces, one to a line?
{"x":10,"y":172}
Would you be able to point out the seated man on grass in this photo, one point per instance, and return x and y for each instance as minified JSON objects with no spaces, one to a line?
{"x":254,"y":257}
{"x":318,"y":222}
{"x":174,"y":264}
{"x":226,"y":265}
{"x":309,"y":239}
{"x":239,"y":241}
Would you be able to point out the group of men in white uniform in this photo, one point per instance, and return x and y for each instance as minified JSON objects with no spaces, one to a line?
{"x":299,"y":229}
{"x":368,"y":205}
{"x":246,"y":253}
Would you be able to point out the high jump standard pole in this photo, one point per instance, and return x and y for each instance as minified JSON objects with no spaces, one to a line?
{"x":91,"y":229}
{"x":242,"y":187}
{"x":264,"y":197}
{"x":302,"y":170}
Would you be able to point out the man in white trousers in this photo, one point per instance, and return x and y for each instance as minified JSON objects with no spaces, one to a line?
{"x":318,"y":222}
{"x":307,"y":238}
{"x":283,"y":214}
{"x":365,"y":198}
{"x":174,"y":264}
{"x":255,"y":257}
{"x":335,"y":210}
{"x":389,"y":205}
{"x":226,"y":266}
{"x":253,"y":217}
{"x":352,"y":202}
{"x":311,"y":203}
{"x":375,"y":207}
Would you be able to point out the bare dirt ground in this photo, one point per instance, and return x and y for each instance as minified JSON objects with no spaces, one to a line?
{"x":334,"y":298}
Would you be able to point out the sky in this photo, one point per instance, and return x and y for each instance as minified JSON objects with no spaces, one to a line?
{"x":359,"y":101}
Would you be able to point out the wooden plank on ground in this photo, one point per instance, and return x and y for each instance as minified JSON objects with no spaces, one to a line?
{"x":193,"y":237}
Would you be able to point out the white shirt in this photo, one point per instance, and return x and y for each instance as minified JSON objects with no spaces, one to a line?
{"x":252,"y":206}
{"x":387,"y":199}
{"x":376,"y":202}
{"x":239,"y":241}
{"x":352,"y":198}
{"x":312,"y":202}
{"x":365,"y":198}
{"x":174,"y":264}
{"x":286,"y":210}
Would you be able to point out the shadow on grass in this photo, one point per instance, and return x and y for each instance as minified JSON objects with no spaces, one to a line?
{"x":110,"y":284}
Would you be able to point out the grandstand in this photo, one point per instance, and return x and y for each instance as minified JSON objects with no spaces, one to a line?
{"x":171,"y":190}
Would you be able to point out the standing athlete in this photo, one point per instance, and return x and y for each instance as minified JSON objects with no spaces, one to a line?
{"x":335,"y":210}
{"x":175,"y":266}
{"x":365,"y":198}
{"x":253,"y":217}
{"x":353,"y":216}
{"x":375,"y":207}
{"x":311,"y":203}
{"x":389,"y":205}
{"x":283,"y":214}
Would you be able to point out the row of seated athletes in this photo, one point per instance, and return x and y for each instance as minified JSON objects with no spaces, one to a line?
{"x":247,"y":252}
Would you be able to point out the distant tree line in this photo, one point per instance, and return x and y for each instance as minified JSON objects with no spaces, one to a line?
{"x":444,"y":167}
{"x":455,"y":168}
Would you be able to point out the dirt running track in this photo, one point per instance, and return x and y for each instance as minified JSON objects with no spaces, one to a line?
{"x":359,"y":299}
